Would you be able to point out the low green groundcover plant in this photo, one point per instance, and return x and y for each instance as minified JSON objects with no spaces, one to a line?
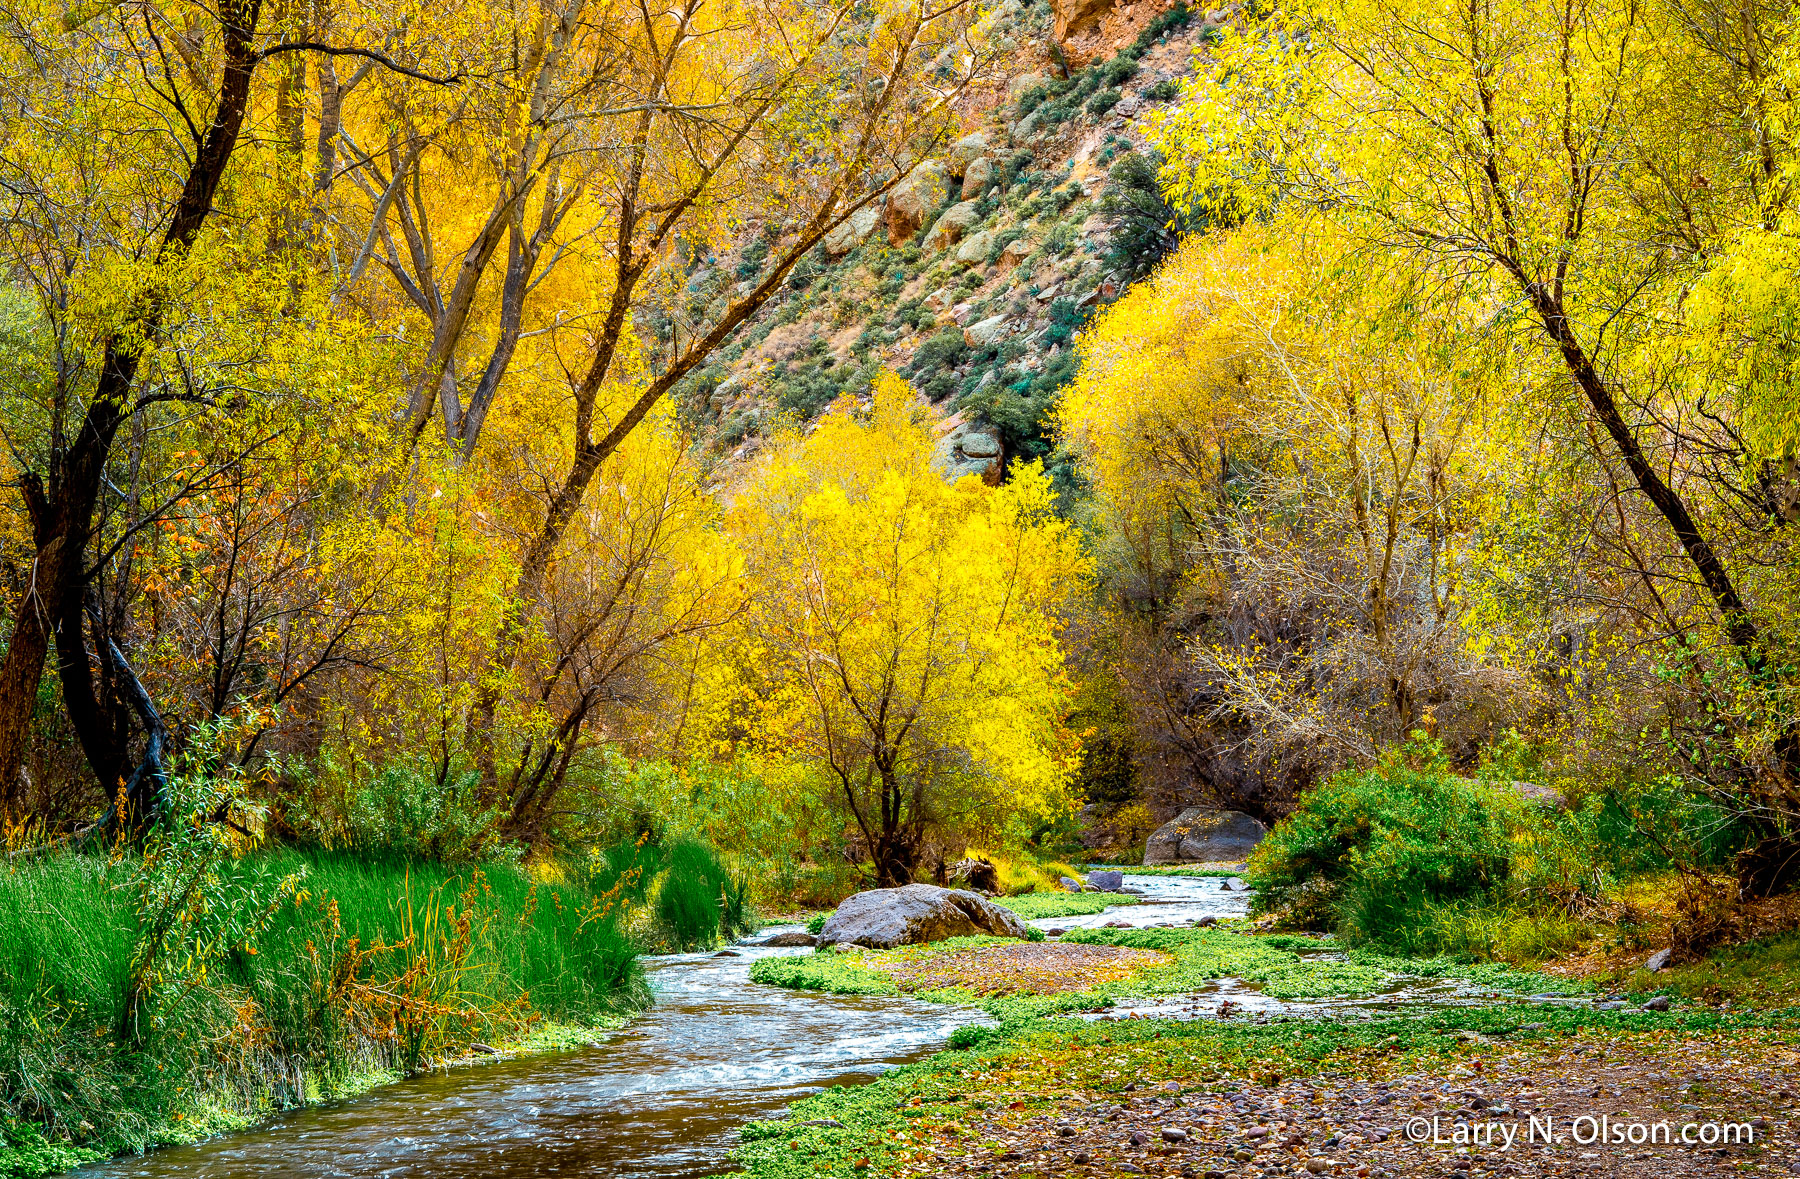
{"x":1281,"y":966}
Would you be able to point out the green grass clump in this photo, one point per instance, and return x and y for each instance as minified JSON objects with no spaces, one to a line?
{"x":372,"y":966}
{"x":698,"y":900}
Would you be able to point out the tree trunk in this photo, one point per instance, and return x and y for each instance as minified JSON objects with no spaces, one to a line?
{"x":63,"y":515}
{"x":1739,"y":627}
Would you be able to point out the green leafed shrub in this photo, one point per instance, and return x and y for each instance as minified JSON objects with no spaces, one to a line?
{"x":943,"y":351}
{"x":1372,"y":851}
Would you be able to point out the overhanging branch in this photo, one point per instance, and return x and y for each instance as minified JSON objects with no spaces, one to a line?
{"x":346,"y":51}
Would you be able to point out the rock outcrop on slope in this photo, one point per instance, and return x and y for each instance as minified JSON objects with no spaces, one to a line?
{"x":883,"y":918}
{"x":972,"y":276}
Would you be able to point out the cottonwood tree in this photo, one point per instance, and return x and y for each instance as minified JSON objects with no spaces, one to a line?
{"x":627,"y":139}
{"x":109,"y":248}
{"x":1542,"y":161}
{"x":901,"y":636}
{"x":1324,"y":473}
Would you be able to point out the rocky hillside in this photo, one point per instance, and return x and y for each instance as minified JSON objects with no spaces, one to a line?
{"x":972,"y":276}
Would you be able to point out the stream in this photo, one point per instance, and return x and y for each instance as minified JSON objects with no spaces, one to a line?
{"x":664,"y":1096}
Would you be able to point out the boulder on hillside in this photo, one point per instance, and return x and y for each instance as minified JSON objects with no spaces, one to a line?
{"x":969,"y":449}
{"x":1072,"y":16}
{"x":914,"y":199}
{"x":987,"y":332}
{"x":1018,"y":84}
{"x":977,"y":177}
{"x":966,"y":151}
{"x":974,"y":250}
{"x":1204,"y":835}
{"x":1015,"y":253}
{"x":853,"y":231}
{"x":951,"y":224}
{"x":883,"y":918}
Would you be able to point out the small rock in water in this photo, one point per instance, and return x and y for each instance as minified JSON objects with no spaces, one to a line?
{"x":1107,"y":881}
{"x":482,"y":1050}
{"x":728,"y":954}
{"x":791,"y":937}
{"x":1205,"y":922}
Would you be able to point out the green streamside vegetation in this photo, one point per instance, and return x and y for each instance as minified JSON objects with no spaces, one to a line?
{"x":1280,"y":965}
{"x":141,"y":1005}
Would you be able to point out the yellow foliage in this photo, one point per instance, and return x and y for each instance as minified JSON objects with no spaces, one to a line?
{"x":901,"y":636}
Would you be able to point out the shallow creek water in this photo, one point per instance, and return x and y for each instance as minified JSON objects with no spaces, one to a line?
{"x":664,"y":1096}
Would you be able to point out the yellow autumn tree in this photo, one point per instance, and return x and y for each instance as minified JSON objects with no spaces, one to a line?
{"x":1569,"y":173}
{"x":903,"y":634}
{"x":1291,"y":440}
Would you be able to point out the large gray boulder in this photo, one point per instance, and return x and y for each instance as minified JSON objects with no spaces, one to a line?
{"x":966,"y":151}
{"x":1106,"y":880}
{"x":989,"y":331}
{"x":1201,"y":835}
{"x":886,"y":917}
{"x":974,"y":249}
